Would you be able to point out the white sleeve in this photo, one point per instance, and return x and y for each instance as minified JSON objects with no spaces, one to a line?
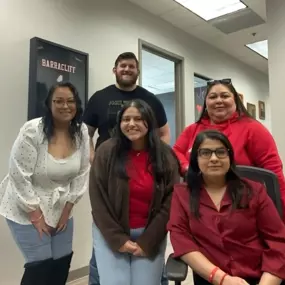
{"x":81,"y":182}
{"x":22,"y":163}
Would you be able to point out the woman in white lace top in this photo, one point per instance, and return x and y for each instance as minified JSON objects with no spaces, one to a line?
{"x":48,"y":174}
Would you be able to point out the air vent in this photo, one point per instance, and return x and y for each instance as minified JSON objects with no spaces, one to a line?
{"x":237,"y":21}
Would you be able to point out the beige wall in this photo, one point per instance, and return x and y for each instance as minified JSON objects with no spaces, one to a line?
{"x":276,"y":48}
{"x":103,"y":29}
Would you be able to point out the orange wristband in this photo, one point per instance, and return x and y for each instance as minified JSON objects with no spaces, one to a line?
{"x":212,"y":275}
{"x":223,"y":278}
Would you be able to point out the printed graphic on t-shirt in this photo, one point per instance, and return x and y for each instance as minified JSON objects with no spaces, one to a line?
{"x":114,"y":107}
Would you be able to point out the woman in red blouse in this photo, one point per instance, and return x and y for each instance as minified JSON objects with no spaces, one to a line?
{"x":230,"y":233}
{"x":131,"y":184}
{"x":252,"y":142}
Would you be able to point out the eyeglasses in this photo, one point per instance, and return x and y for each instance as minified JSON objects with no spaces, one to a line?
{"x":207,"y":153}
{"x":226,"y":81}
{"x":60,"y":103}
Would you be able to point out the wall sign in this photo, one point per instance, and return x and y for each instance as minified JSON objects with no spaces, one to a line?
{"x":199,"y":99}
{"x":51,"y":63}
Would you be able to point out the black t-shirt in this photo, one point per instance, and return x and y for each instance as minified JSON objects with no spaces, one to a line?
{"x":103,"y":107}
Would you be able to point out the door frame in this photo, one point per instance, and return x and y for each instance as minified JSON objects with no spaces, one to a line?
{"x":178,"y":77}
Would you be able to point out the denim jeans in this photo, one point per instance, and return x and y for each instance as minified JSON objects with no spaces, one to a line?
{"x":94,"y":275}
{"x":93,"y":270}
{"x":35,"y":248}
{"x":124,"y":268}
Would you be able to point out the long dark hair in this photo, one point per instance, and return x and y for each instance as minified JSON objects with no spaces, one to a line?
{"x":237,"y":187}
{"x":159,"y":152}
{"x":76,"y":122}
{"x":240,"y":108}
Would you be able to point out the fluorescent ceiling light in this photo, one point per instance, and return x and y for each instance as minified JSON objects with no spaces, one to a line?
{"x":260,"y":47}
{"x":210,"y":9}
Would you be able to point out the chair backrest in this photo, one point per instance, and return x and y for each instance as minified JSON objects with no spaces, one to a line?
{"x":268,"y":178}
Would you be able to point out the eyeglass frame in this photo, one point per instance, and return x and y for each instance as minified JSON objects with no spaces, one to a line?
{"x":226,"y":81}
{"x":215,"y":152}
{"x":63,"y":102}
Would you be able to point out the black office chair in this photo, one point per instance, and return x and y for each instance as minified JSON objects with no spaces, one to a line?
{"x":176,"y":269}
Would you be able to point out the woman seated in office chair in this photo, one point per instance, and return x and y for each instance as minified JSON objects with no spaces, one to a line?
{"x":230,"y":233}
{"x":131,"y":184}
{"x":252,"y":142}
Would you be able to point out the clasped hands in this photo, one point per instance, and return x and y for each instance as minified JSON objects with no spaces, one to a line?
{"x":132,"y":248}
{"x":38,"y":220}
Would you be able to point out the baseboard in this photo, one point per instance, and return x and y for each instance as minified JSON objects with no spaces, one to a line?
{"x":78,"y":273}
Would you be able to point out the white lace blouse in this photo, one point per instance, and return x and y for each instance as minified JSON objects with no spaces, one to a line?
{"x":28,"y":186}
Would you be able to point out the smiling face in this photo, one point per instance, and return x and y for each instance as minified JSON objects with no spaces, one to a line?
{"x":133,"y":126}
{"x":126,"y":73}
{"x":63,"y":105}
{"x":213,"y":159}
{"x":220,"y":103}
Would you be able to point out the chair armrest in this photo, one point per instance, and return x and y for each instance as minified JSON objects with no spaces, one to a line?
{"x":176,"y":269}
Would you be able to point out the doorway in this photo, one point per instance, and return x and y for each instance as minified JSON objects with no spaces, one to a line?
{"x":162,"y":74}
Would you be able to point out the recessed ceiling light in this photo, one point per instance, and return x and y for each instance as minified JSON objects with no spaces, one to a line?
{"x":260,"y":47}
{"x":210,"y":9}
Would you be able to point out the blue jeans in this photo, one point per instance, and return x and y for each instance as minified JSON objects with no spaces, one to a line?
{"x":93,"y":270}
{"x":126,"y":269}
{"x":94,"y":275}
{"x":35,"y":248}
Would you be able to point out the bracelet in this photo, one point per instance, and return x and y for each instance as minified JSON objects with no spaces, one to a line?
{"x":212,"y":275}
{"x":223,"y":278}
{"x":38,"y":219}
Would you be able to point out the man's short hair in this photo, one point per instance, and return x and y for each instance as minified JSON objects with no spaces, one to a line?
{"x":126,"y":55}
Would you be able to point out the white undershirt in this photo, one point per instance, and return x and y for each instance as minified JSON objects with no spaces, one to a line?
{"x":62,"y":170}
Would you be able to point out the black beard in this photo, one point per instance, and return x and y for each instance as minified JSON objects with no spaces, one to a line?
{"x":128,"y":83}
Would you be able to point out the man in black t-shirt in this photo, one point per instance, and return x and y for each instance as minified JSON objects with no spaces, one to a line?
{"x":103,"y":107}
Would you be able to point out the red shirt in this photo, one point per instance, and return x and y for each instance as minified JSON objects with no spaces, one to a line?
{"x":242,"y":242}
{"x":141,"y":186}
{"x":252,"y":142}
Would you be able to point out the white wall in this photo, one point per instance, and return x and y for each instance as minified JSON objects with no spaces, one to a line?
{"x":103,"y":29}
{"x":276,"y":46}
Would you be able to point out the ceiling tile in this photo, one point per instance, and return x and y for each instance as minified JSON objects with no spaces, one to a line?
{"x":246,"y":36}
{"x":233,"y":44}
{"x":206,"y":32}
{"x":182,"y":17}
{"x":156,"y":7}
{"x":258,"y":6}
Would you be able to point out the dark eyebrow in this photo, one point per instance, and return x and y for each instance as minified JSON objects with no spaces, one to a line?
{"x":222,"y":93}
{"x":58,"y":97}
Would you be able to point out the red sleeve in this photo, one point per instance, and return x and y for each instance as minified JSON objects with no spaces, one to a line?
{"x":181,"y":147}
{"x":272,"y":231}
{"x":263,"y":152}
{"x":178,"y":226}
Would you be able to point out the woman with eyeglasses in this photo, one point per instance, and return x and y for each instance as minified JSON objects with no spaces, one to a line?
{"x":252,"y":142}
{"x":48,"y":174}
{"x":225,"y":228}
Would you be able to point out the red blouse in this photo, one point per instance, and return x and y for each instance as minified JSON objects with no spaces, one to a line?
{"x":141,"y":185}
{"x":243,"y":242}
